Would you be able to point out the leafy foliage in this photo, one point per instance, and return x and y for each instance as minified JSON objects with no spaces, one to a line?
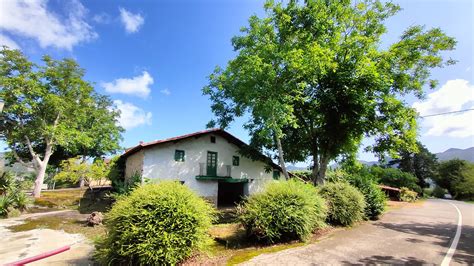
{"x":51,"y":108}
{"x":316,"y":72}
{"x":374,"y":197}
{"x":157,"y":224}
{"x":408,"y":195}
{"x":12,"y":199}
{"x":286,"y":210}
{"x":75,"y":169}
{"x":457,"y":176}
{"x":421,"y":164}
{"x":439,"y":192}
{"x":395,"y":178}
{"x":116,"y":175}
{"x":346,"y":203}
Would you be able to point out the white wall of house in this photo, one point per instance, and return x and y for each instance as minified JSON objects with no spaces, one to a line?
{"x":134,"y":164}
{"x":159,"y":163}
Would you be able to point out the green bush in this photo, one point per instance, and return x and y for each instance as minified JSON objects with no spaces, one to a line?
{"x":374,"y":197}
{"x":11,"y":196}
{"x":5,"y":203}
{"x":155,"y":224}
{"x":439,"y":192}
{"x":346,"y":203}
{"x":286,"y":210}
{"x":407,"y":195}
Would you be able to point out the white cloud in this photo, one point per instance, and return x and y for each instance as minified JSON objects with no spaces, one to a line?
{"x":132,"y":116}
{"x":32,"y":19}
{"x":166,"y":92}
{"x":454,"y":95}
{"x":132,"y":22}
{"x":102,"y":18}
{"x":5,"y":40}
{"x":139,"y":85}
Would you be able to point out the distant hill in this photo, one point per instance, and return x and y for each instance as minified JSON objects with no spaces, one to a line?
{"x":453,"y":153}
{"x":295,"y":168}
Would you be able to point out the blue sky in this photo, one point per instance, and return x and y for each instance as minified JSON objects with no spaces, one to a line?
{"x":153,"y":58}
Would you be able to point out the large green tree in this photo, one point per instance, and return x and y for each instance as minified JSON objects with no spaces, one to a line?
{"x":325,"y":63}
{"x":52,"y":108}
{"x":457,"y":176}
{"x":421,"y":164}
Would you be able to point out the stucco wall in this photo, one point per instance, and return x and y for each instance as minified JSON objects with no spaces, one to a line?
{"x":134,"y":164}
{"x":159,"y":163}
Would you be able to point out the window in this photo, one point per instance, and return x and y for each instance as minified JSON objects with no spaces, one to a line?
{"x":179,"y":155}
{"x":235,"y":160}
{"x":213,"y":139}
{"x":276,"y":174}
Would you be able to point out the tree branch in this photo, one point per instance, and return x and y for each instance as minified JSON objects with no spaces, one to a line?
{"x":19,"y":160}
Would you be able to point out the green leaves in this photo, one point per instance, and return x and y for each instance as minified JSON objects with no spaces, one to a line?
{"x":51,"y":107}
{"x":157,"y":224}
{"x":53,"y":104}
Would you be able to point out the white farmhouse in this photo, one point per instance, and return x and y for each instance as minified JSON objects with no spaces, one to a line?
{"x":208,"y":162}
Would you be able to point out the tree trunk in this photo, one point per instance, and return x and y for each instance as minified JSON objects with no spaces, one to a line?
{"x":320,"y":165}
{"x":323,"y":165}
{"x":281,"y":158}
{"x":41,"y":167}
{"x":314,"y":173}
{"x":39,"y":180}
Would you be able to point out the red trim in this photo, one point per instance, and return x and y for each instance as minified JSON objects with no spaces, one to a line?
{"x":40,"y":256}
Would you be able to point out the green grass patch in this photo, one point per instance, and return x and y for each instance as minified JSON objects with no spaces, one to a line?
{"x":70,"y":223}
{"x":247,"y":254}
{"x":83,"y":200}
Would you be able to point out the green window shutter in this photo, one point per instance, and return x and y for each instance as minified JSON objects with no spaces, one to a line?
{"x":235,"y":160}
{"x":179,"y":155}
{"x":276,"y":174}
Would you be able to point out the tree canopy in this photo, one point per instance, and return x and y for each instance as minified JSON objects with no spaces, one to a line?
{"x":316,"y":75}
{"x":457,"y":176}
{"x":421,"y":164}
{"x":51,"y":108}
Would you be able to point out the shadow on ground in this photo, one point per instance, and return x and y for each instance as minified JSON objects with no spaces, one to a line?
{"x":443,"y":232}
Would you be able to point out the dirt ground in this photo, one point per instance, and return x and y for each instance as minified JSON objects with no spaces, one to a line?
{"x":24,"y":244}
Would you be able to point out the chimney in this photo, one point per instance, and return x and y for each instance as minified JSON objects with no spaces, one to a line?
{"x":140,"y":142}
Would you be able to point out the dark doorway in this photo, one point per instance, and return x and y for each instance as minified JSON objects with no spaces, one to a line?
{"x":229,"y":194}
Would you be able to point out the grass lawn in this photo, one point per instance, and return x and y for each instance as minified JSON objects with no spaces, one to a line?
{"x":81,"y":199}
{"x":231,"y":247}
{"x":70,"y":222}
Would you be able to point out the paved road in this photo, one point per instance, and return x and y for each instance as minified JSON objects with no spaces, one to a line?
{"x":419,"y":234}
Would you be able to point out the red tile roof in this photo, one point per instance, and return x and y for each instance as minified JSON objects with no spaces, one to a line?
{"x":216,"y":131}
{"x":389,"y":188}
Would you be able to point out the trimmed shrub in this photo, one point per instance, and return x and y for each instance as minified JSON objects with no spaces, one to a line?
{"x":286,"y":210}
{"x":155,"y":224}
{"x":407,"y":195}
{"x":346,"y":203}
{"x":374,"y":197}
